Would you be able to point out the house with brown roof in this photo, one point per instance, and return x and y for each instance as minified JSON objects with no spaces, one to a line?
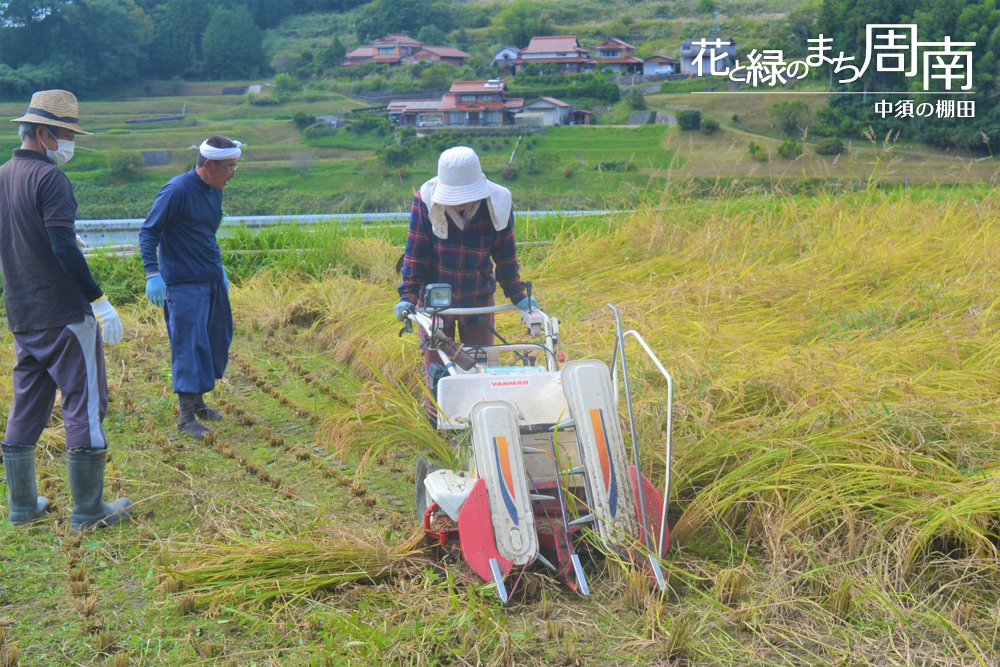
{"x":553,"y":111}
{"x":440,"y":54}
{"x":562,"y":51}
{"x":616,"y":55}
{"x":468,"y":103}
{"x":395,"y":49}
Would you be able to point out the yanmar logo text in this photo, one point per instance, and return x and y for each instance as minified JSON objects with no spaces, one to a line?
{"x":509,"y":383}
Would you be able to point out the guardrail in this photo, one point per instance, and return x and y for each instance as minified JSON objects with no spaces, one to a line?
{"x":125,"y":232}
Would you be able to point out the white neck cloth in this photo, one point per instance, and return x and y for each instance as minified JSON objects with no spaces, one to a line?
{"x":499,"y":203}
{"x":213,"y":153}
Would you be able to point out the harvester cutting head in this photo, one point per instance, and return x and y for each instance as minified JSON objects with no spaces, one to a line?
{"x":548,"y":457}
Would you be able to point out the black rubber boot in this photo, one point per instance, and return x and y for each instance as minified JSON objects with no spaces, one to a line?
{"x":186,"y":421}
{"x":24,"y":505}
{"x":202,"y":411}
{"x":86,"y":483}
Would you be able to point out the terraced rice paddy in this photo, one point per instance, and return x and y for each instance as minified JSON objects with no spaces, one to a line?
{"x":835,"y":500}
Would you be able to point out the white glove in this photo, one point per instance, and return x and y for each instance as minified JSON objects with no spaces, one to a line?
{"x":80,"y":242}
{"x":111,"y":325}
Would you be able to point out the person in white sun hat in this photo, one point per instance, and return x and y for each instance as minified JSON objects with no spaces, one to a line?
{"x":461,"y":233}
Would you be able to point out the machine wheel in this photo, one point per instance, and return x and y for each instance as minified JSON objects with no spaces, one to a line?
{"x":424,"y":468}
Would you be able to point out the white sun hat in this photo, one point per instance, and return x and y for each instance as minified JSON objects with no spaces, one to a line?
{"x":460,"y":180}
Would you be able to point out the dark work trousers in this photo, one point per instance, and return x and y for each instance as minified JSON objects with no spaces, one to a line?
{"x":200,"y":325}
{"x":71,"y":359}
{"x":476,"y":334}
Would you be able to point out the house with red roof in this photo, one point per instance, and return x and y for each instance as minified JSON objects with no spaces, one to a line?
{"x":396,"y":48}
{"x":467,"y":103}
{"x":616,"y":55}
{"x":562,"y":51}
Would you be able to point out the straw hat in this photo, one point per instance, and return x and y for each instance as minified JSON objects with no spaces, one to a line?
{"x":460,"y":180}
{"x":58,"y":108}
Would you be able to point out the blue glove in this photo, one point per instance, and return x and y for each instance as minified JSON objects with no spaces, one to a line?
{"x":401,"y":308}
{"x":523,"y":304}
{"x":156,"y":289}
{"x":225,"y":278}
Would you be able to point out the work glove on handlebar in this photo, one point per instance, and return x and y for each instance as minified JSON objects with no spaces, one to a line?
{"x":523,"y":303}
{"x":401,"y":308}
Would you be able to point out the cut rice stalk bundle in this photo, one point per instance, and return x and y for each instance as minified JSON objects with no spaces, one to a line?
{"x":259,"y":569}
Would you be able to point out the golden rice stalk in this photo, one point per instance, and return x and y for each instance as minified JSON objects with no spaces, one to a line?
{"x":260,"y":569}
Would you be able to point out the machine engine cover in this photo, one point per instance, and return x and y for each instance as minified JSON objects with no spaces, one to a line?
{"x":536,"y":398}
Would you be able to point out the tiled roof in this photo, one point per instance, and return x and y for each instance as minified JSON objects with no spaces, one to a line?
{"x":476,"y":87}
{"x":614,"y":42}
{"x":414,"y":105}
{"x":558,"y":103}
{"x":444,"y":51}
{"x":392,"y":38}
{"x":572,"y":59}
{"x":362,"y":52}
{"x":557,"y":43}
{"x":614,"y":61}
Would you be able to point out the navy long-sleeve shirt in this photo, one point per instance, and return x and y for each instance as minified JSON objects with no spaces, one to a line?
{"x":183,"y":221}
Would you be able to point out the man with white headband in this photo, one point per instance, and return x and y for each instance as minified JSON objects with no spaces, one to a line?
{"x":188,"y":280}
{"x":461,"y":233}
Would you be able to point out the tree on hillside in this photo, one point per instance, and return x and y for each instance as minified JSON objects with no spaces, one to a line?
{"x":431,"y":34}
{"x":519,"y":22}
{"x":233,"y":44}
{"x":331,"y":56}
{"x":397,"y":16}
{"x":790,"y":115}
{"x":176,"y":49}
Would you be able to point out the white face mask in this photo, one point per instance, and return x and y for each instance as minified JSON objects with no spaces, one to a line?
{"x":63,"y":152}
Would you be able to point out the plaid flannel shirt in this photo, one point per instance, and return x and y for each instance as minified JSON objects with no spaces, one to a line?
{"x":465,"y":260}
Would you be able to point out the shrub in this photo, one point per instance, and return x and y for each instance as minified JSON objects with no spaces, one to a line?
{"x":394,"y":155}
{"x":509,"y":172}
{"x":689,"y":120}
{"x":709,"y":126}
{"x":497,"y":146}
{"x":317,"y":130}
{"x":303,"y":120}
{"x":636,"y":100}
{"x":736,"y":118}
{"x":401,"y":174}
{"x":408,"y":132}
{"x":529,"y":162}
{"x":758,"y":152}
{"x":375,"y":124}
{"x":264,"y":97}
{"x":568,"y":172}
{"x":614,"y":165}
{"x":790,"y":149}
{"x":282,"y":116}
{"x":123,"y":164}
{"x":790,"y":114}
{"x":830,"y":146}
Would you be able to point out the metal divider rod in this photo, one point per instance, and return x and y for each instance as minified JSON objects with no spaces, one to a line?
{"x":631,"y":423}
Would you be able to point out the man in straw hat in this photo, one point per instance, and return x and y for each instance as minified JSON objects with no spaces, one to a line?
{"x":58,"y":315}
{"x":188,"y":280}
{"x":461,"y":233}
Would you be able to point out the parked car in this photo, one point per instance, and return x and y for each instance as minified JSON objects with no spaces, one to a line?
{"x":666,"y":69}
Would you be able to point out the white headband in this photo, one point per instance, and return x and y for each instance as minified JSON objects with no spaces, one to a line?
{"x":213,"y":153}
